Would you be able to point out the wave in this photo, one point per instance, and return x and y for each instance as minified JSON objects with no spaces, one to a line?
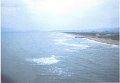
{"x":45,"y":60}
{"x":114,"y":46}
{"x":59,"y":34}
{"x":61,"y":40}
{"x":70,"y":50}
{"x":76,"y":45}
{"x":82,"y":46}
{"x":65,"y":39}
{"x":64,"y":42}
{"x":61,"y":71}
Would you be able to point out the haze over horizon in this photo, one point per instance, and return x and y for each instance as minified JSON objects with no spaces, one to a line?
{"x":48,"y":15}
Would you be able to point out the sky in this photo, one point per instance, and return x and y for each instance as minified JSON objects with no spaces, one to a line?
{"x":48,"y":15}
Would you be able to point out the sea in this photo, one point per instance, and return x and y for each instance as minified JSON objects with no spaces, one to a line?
{"x":56,"y":57}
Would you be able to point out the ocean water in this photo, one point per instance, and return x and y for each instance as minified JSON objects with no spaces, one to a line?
{"x":54,"y":57}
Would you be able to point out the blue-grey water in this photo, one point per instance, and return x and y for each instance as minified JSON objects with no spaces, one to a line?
{"x":54,"y":57}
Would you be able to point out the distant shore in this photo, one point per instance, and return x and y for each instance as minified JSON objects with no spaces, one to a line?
{"x":104,"y":40}
{"x":109,"y":38}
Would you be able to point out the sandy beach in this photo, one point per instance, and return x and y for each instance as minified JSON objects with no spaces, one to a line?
{"x":109,"y":38}
{"x":104,"y":40}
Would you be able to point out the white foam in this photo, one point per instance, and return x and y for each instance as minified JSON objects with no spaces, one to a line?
{"x":69,"y":36}
{"x":102,"y":43}
{"x":114,"y":46}
{"x":82,"y":46}
{"x":93,"y":41}
{"x":62,"y":35}
{"x":61,"y":71}
{"x":70,"y":50}
{"x":45,"y":60}
{"x":61,"y":40}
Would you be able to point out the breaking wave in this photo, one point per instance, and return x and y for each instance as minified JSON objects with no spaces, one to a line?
{"x":45,"y":60}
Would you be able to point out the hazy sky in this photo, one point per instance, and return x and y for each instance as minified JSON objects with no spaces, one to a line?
{"x":22,"y":15}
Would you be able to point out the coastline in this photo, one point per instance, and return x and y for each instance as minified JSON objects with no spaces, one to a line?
{"x":108,"y":38}
{"x":103,"y":40}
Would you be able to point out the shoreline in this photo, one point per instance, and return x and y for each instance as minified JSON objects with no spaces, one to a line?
{"x":108,"y":38}
{"x":103,"y":40}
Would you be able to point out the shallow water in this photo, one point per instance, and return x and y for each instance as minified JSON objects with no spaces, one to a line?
{"x":53,"y":57}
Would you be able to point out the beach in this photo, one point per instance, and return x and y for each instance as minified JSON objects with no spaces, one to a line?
{"x":104,"y":40}
{"x":109,"y":38}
